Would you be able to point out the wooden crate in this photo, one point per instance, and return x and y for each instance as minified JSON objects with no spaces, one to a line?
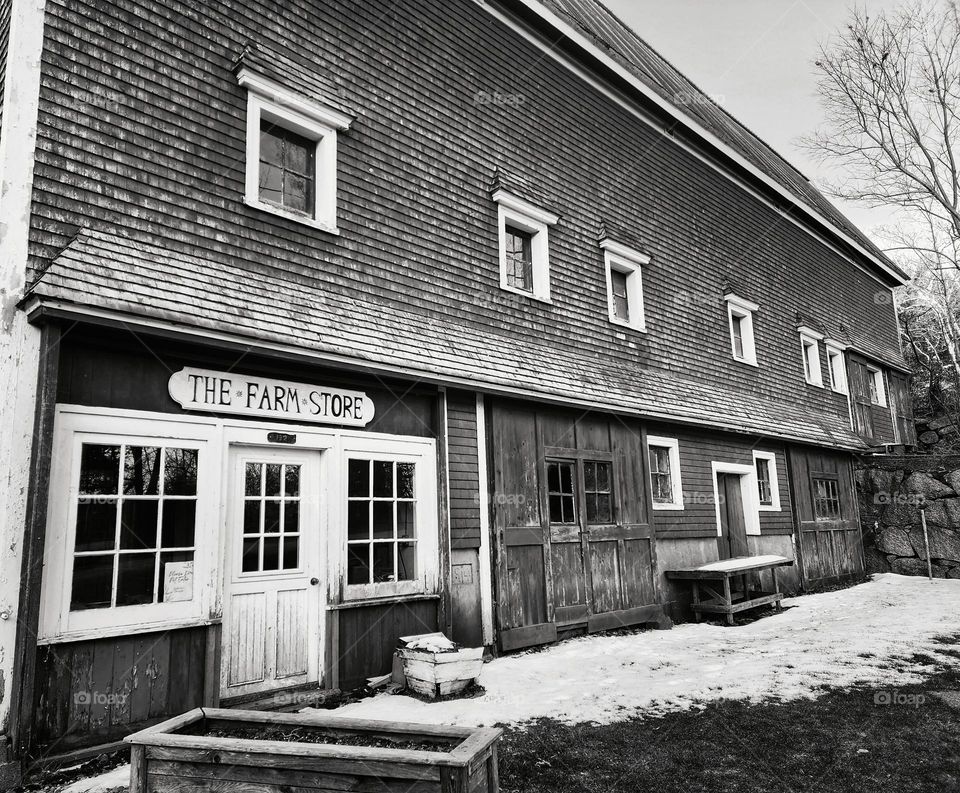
{"x":169,"y":757}
{"x":439,"y":674}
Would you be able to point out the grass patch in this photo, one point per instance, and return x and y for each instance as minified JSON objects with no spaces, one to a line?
{"x":840,"y":743}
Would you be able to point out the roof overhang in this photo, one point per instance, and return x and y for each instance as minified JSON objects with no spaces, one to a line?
{"x":41,"y":310}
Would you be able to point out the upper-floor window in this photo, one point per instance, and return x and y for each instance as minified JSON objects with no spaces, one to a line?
{"x":740,"y":314}
{"x":837,"y":368}
{"x":665,"y":473}
{"x":810,"y":349}
{"x":768,"y":487}
{"x":624,"y":284}
{"x":875,"y":387}
{"x":524,"y":246}
{"x":291,"y":153}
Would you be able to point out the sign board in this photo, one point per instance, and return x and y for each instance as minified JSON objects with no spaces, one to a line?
{"x":177,"y":582}
{"x":225,"y":392}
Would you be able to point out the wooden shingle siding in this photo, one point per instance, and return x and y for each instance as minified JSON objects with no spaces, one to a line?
{"x":698,"y":450}
{"x":463,"y":470}
{"x":142,"y":133}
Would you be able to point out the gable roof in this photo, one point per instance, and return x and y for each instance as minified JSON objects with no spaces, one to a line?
{"x":101,"y":276}
{"x":611,"y":37}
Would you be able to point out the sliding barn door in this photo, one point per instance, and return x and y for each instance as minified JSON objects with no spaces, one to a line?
{"x":575,"y":544}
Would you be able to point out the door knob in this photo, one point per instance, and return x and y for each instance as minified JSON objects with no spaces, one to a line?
{"x":314,"y":581}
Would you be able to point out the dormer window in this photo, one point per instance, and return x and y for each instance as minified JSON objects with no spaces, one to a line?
{"x":740,"y":315}
{"x":291,"y":161}
{"x":524,"y":246}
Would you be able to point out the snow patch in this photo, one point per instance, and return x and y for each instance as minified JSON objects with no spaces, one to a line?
{"x":857,"y":636}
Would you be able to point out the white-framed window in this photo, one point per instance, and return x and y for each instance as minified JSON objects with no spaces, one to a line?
{"x":740,"y":315}
{"x":875,"y":385}
{"x":131,"y":526}
{"x":524,"y":246}
{"x":390,"y":546}
{"x":768,"y":485}
{"x":624,"y":284}
{"x":810,"y":351}
{"x":291,"y":153}
{"x":836,"y":367}
{"x":665,"y":478}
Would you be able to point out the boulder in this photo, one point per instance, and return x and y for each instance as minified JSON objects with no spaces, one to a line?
{"x":923,"y":484}
{"x":944,"y":543}
{"x":892,"y":540}
{"x":928,"y":438}
{"x":953,"y":572}
{"x":881,"y":480}
{"x":940,"y":423}
{"x":911,"y":566}
{"x":953,"y":479}
{"x":944,"y":512}
{"x":876,"y":562}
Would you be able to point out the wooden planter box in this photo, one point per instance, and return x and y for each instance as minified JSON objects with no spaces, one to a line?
{"x":180,"y":755}
{"x":439,"y":674}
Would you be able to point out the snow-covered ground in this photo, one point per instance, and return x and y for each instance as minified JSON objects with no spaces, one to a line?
{"x":858,"y":636}
{"x":862,"y":635}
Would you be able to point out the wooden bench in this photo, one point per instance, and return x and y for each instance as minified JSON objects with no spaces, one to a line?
{"x":727,"y":601}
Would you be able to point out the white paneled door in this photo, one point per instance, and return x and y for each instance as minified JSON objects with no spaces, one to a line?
{"x":272,"y":630}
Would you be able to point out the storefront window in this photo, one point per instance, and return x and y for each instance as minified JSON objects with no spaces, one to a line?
{"x":381,"y":522}
{"x":135,"y":526}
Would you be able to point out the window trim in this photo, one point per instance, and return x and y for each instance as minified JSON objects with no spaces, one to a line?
{"x":57,"y":620}
{"x":743,"y":309}
{"x":267,"y":99}
{"x":771,"y":460}
{"x":835,"y":350}
{"x":423,"y":454}
{"x":880,"y":385}
{"x":630,"y":262}
{"x":673,"y":445}
{"x":515,"y":211}
{"x":810,"y":341}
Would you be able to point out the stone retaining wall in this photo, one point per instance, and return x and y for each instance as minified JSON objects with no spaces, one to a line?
{"x":891,"y":489}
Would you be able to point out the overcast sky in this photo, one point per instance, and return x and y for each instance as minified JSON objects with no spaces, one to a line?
{"x":756,"y":58}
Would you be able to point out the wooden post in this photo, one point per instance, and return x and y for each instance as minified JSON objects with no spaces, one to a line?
{"x":727,"y":597}
{"x":138,"y":769}
{"x":25,"y":663}
{"x":926,"y":540}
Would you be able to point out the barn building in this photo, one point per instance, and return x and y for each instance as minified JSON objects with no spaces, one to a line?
{"x":328,"y":322}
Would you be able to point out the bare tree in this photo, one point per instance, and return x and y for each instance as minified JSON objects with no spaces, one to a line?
{"x":890,"y":86}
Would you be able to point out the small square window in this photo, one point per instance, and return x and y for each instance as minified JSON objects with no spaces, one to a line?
{"x":875,"y":386}
{"x":291,"y":154}
{"x":665,"y":473}
{"x":624,"y":284}
{"x":524,"y":246}
{"x":740,"y":315}
{"x":826,"y":498}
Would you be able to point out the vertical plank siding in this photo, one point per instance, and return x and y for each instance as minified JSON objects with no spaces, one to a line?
{"x":6,"y":6}
{"x":92,"y":692}
{"x":367,"y":636}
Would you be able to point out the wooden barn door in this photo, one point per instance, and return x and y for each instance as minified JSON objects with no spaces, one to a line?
{"x":576,"y":545}
{"x":829,"y":541}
